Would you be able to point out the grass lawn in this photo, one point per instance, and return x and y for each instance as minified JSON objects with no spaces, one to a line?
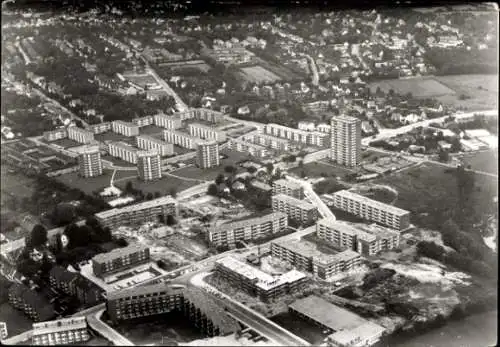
{"x":300,"y":327}
{"x":66,"y":143}
{"x":419,"y":87}
{"x":164,"y":185}
{"x":316,"y":169}
{"x":87,"y":185}
{"x":17,"y":322}
{"x":486,"y":161}
{"x":369,"y":156}
{"x":16,"y":184}
{"x":151,"y":130}
{"x":111,"y":136}
{"x":117,"y":161}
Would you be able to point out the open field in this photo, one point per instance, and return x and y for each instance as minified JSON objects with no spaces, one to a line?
{"x":65,"y":143}
{"x":152,"y":130}
{"x":87,"y":185}
{"x":322,"y":168}
{"x":164,"y":185}
{"x":482,"y":90}
{"x":111,"y":136}
{"x":426,"y":87}
{"x":303,"y":328}
{"x":117,"y":161}
{"x":15,"y":184}
{"x":179,"y":66}
{"x":257,"y":74}
{"x":486,"y":161}
{"x":141,"y":80}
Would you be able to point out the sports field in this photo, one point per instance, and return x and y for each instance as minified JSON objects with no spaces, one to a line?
{"x":427,"y":87}
{"x":257,"y":74}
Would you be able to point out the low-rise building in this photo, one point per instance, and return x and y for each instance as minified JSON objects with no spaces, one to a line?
{"x":208,"y":115}
{"x":269,"y":141}
{"x":60,"y":332}
{"x":297,"y":210}
{"x":125,"y":128}
{"x":118,"y":259}
{"x":372,"y":210}
{"x":54,"y":135}
{"x":3,"y":331}
{"x":148,"y":142}
{"x":100,"y":128}
{"x":295,"y":135}
{"x":123,"y":151}
{"x":80,"y":135}
{"x":206,"y":132}
{"x":143,"y":121}
{"x":247,"y":147}
{"x":290,"y":188}
{"x":168,"y":122}
{"x":181,"y":139}
{"x":257,"y":282}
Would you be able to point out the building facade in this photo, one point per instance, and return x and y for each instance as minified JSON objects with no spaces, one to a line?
{"x":119,"y":259}
{"x":3,"y":331}
{"x":149,"y":165}
{"x":89,"y":161}
{"x":251,"y":148}
{"x":100,"y":128}
{"x":346,"y":140}
{"x":147,"y":143}
{"x":206,"y":132}
{"x":295,"y":135}
{"x":56,"y":134}
{"x":208,"y":115}
{"x":297,"y":210}
{"x":125,"y":128}
{"x":123,"y":151}
{"x":269,"y":141}
{"x":148,"y":211}
{"x":181,"y":139}
{"x":80,"y":135}
{"x":283,"y":186}
{"x":36,"y":307}
{"x":144,"y":121}
{"x":168,"y":122}
{"x":60,"y":332}
{"x":208,"y":155}
{"x":229,"y":234}
{"x":372,"y":210}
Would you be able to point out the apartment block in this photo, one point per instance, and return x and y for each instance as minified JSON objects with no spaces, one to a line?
{"x":346,"y":140}
{"x":208,"y":115}
{"x":304,"y":255}
{"x":206,"y":132}
{"x":155,"y":210}
{"x":54,"y":135}
{"x":293,"y":189}
{"x":3,"y":331}
{"x":188,"y":114}
{"x":125,"y":128}
{"x":168,"y":122}
{"x":60,"y":332}
{"x":149,"y":165}
{"x":257,"y":282}
{"x":80,"y":135}
{"x":371,"y":210}
{"x":119,"y":259}
{"x":89,"y":161}
{"x":101,"y":127}
{"x":269,"y":141}
{"x":251,"y":148}
{"x":144,"y":121}
{"x":229,"y":234}
{"x":36,"y":307}
{"x":282,"y":131}
{"x":123,"y":151}
{"x":208,"y":155}
{"x":297,"y":210}
{"x":74,"y":284}
{"x":181,"y":139}
{"x":319,"y":139}
{"x":147,"y":142}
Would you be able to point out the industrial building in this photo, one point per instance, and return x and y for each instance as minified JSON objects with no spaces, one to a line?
{"x":123,"y":151}
{"x":207,"y":155}
{"x":346,"y":141}
{"x":304,"y":255}
{"x":181,"y":139}
{"x":89,"y":162}
{"x":80,"y":135}
{"x":147,"y":143}
{"x":149,"y":165}
{"x":372,"y":210}
{"x":118,"y":259}
{"x":251,"y":148}
{"x":297,"y":210}
{"x":290,"y":188}
{"x":257,"y":282}
{"x":60,"y":332}
{"x":147,"y":211}
{"x":168,"y":122}
{"x":206,"y":132}
{"x":125,"y":128}
{"x":54,"y":135}
{"x":229,"y":234}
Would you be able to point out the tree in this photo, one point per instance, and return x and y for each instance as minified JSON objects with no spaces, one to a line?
{"x":173,"y":192}
{"x":149,"y":196}
{"x":63,"y":214}
{"x":444,"y":156}
{"x":251,"y":169}
{"x":212,"y":190}
{"x":219,"y":179}
{"x":38,"y":236}
{"x":121,"y":242}
{"x":129,"y":187}
{"x":157,"y":195}
{"x":230,"y":169}
{"x":171,"y":220}
{"x":269,"y":168}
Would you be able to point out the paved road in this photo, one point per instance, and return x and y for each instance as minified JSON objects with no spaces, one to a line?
{"x":315,"y":199}
{"x":95,"y":322}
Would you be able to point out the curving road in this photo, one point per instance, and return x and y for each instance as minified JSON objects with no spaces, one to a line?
{"x":315,"y":199}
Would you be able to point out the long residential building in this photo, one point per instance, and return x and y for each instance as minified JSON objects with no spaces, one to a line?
{"x":149,"y":165}
{"x":269,"y":141}
{"x":148,"y":211}
{"x":295,"y":135}
{"x":167,"y":121}
{"x":257,"y":282}
{"x":181,"y":139}
{"x":147,"y":142}
{"x":155,"y":299}
{"x":60,"y":332}
{"x":368,"y":240}
{"x":125,"y":128}
{"x":304,"y":255}
{"x":80,"y":135}
{"x":297,"y":210}
{"x":100,"y":128}
{"x":346,"y":140}
{"x":208,"y":115}
{"x":372,"y":210}
{"x":118,"y":259}
{"x":89,"y":161}
{"x":206,"y":132}
{"x":229,"y":234}
{"x":143,"y":121}
{"x":247,"y":147}
{"x":319,"y":139}
{"x":76,"y":285}
{"x":36,"y":307}
{"x":290,"y":188}
{"x":207,"y":155}
{"x":57,"y":134}
{"x":123,"y":151}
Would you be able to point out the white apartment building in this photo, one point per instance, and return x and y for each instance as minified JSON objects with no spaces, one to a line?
{"x":168,"y":122}
{"x":298,"y":210}
{"x":149,"y":165}
{"x":80,"y":135}
{"x":290,"y":188}
{"x":251,"y":148}
{"x":147,"y":142}
{"x":372,"y":210}
{"x":206,"y":132}
{"x":100,"y":128}
{"x":269,"y":141}
{"x":125,"y":128}
{"x":123,"y":151}
{"x":57,"y":134}
{"x":282,"y":131}
{"x":319,"y":139}
{"x":60,"y":332}
{"x":246,"y":230}
{"x":143,"y":121}
{"x":346,"y":140}
{"x":188,"y":114}
{"x":181,"y":139}
{"x":324,"y":128}
{"x":208,"y":155}
{"x":89,"y":161}
{"x":208,"y":115}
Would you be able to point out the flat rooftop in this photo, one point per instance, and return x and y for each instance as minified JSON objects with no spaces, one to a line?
{"x":345,"y":118}
{"x":363,"y":332}
{"x":153,"y":139}
{"x":137,"y":207}
{"x":252,"y":221}
{"x":294,"y":202}
{"x":373,"y":203}
{"x":143,"y":290}
{"x":326,"y":313}
{"x":119,"y":252}
{"x":347,"y":229}
{"x":287,"y":183}
{"x":123,"y":145}
{"x":59,"y":325}
{"x":128,"y":124}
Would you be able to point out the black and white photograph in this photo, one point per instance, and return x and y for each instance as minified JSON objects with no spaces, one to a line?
{"x":249,"y":173}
